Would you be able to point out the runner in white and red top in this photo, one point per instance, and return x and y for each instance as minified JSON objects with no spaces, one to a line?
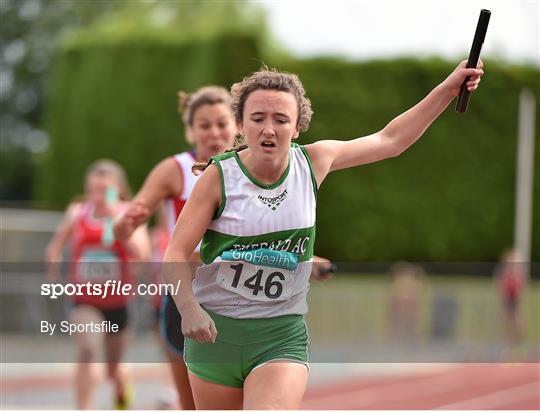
{"x":211,"y":128}
{"x":174,"y":204}
{"x":99,"y":260}
{"x":159,"y":237}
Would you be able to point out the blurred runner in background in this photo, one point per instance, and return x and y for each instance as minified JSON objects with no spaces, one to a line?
{"x":511,"y":280}
{"x":96,"y":258}
{"x":406,"y":290}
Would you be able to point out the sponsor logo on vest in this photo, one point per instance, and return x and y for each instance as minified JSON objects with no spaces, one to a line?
{"x":264,"y":257}
{"x":273,"y":202}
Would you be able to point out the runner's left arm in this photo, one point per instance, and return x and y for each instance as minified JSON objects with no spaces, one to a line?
{"x":330,"y":155}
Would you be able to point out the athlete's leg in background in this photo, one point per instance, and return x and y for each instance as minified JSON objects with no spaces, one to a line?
{"x":115,"y":346}
{"x":87,"y":372}
{"x":173,"y":341}
{"x":181,"y":379}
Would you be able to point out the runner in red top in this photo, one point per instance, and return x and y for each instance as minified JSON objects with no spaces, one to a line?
{"x":511,"y":280}
{"x":99,"y":261}
{"x":96,"y":263}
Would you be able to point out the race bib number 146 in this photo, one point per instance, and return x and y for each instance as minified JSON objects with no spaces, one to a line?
{"x":262,"y":274}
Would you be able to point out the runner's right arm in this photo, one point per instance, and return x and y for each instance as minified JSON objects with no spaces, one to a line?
{"x":53,"y":252}
{"x":192,"y":224}
{"x":164,"y":180}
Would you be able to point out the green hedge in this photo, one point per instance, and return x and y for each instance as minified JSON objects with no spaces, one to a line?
{"x":450,"y":197}
{"x":119,"y":101}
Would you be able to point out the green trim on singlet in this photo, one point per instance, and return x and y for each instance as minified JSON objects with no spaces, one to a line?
{"x":219,"y":211}
{"x":313,"y":180}
{"x":298,"y":241}
{"x":258,"y":183}
{"x":217,"y":161}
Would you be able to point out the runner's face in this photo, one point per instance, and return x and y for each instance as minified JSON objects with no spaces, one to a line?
{"x":269,"y":123}
{"x":213,"y":129}
{"x":96,"y":187}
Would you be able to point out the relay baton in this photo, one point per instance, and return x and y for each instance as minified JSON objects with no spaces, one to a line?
{"x":474,"y":55}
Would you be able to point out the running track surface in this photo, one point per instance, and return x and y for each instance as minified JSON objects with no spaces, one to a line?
{"x":466,"y":386}
{"x":463,"y":386}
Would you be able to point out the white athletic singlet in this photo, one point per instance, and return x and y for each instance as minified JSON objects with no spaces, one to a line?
{"x":257,"y":251}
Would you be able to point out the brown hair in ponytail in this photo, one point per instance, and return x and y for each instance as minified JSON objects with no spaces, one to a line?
{"x":239,"y":145}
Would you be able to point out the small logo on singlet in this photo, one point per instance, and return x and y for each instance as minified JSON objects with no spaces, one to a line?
{"x":273,"y":202}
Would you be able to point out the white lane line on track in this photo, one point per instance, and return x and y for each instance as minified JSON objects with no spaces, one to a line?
{"x":401,"y":391}
{"x":499,"y":399}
